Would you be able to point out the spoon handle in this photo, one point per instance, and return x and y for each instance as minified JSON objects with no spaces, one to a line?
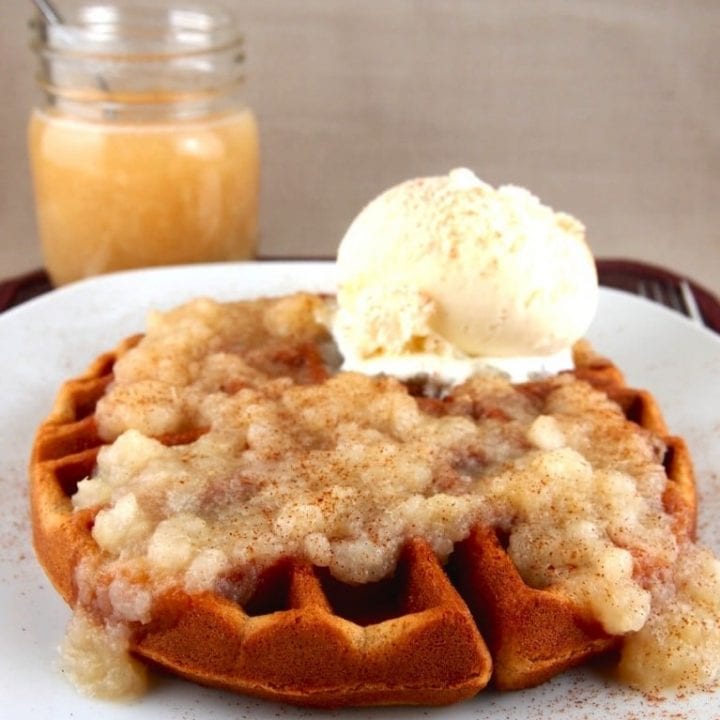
{"x":48,"y":11}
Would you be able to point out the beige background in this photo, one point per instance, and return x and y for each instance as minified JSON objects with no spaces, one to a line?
{"x":607,"y":109}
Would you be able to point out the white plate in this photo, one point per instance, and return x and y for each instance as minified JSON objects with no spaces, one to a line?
{"x":54,"y":337}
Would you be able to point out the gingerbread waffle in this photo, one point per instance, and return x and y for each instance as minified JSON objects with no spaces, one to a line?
{"x":431,"y":633}
{"x":535,"y":634}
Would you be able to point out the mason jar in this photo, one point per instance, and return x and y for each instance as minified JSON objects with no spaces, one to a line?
{"x":143,"y":150}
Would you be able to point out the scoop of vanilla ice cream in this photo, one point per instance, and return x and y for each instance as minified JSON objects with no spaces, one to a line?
{"x":451,"y":267}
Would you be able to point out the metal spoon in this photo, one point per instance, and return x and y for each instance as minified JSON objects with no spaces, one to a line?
{"x":53,"y":17}
{"x":49,"y":12}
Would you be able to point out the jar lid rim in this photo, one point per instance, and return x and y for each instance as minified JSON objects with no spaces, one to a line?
{"x":153,"y":27}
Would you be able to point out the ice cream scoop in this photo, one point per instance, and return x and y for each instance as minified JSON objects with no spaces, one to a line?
{"x":451,"y":268}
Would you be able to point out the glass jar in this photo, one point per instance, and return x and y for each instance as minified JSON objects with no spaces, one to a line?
{"x":143,"y":151}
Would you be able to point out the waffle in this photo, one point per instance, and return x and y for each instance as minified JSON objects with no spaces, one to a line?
{"x":431,"y":633}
